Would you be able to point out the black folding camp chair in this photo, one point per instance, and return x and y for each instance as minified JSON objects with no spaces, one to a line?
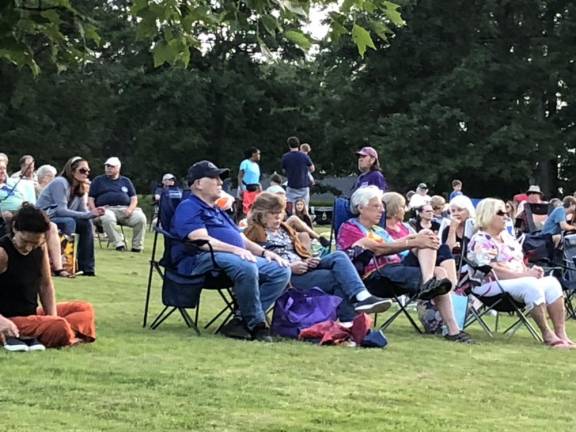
{"x":500,"y":303}
{"x":182,"y":292}
{"x":340,"y":214}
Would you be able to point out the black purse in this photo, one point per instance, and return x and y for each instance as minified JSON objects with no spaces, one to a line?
{"x":360,"y":258}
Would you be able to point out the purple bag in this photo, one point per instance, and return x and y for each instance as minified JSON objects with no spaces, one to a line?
{"x":299,"y":309}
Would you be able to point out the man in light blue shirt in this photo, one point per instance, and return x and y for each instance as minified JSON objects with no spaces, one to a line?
{"x":556,"y":223}
{"x":249,"y":172}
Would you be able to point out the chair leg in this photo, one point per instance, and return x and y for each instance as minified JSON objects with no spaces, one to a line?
{"x":188,"y":320}
{"x":162,"y":317}
{"x":476,"y":316}
{"x":402,"y":308}
{"x":523,"y":320}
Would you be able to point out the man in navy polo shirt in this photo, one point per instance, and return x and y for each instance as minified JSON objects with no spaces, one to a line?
{"x":259,"y":276}
{"x":297,"y":165}
{"x":117,"y":194}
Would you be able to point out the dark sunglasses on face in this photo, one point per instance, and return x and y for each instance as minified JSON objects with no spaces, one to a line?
{"x":84,"y":171}
{"x":501,"y":213}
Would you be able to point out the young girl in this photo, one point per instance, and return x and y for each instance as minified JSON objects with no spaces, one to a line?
{"x":301,"y":211}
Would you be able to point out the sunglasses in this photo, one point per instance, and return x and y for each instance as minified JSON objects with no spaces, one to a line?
{"x":501,"y":213}
{"x":84,"y":171}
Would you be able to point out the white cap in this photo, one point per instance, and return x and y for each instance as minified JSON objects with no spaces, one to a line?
{"x":114,"y":161}
{"x":168,"y":176}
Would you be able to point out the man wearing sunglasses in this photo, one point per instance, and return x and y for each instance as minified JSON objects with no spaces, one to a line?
{"x":117,"y":194}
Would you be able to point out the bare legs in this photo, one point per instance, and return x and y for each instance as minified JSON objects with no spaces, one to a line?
{"x":427,"y":260}
{"x":298,"y":225}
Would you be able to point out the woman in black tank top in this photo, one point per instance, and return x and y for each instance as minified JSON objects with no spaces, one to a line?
{"x":25,"y":277}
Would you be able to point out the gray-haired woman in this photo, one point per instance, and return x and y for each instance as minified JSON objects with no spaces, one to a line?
{"x":415,"y":274}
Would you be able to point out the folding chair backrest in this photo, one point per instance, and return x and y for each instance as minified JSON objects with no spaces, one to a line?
{"x":570,"y":257}
{"x":340,"y":213}
{"x":532,"y":209}
{"x":169,"y":200}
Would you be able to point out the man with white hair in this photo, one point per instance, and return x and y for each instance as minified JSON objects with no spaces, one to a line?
{"x":117,"y":194}
{"x":45,"y":175}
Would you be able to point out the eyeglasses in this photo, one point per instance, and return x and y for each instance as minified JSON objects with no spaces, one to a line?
{"x":84,"y":171}
{"x":501,"y":213}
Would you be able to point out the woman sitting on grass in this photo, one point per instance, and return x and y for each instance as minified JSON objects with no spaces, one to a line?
{"x":493,"y":246}
{"x":334,"y":273}
{"x":25,"y":276}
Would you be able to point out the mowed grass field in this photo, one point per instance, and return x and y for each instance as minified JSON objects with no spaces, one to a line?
{"x":136,"y":379}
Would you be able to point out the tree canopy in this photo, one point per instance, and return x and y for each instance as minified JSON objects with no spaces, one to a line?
{"x":478,"y":90}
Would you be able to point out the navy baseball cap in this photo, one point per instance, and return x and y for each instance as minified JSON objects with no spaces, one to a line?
{"x":205,"y":169}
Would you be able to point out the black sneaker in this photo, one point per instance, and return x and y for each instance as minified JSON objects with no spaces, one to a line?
{"x":13,"y":344}
{"x":324,"y":241}
{"x":434,"y":287}
{"x":236,"y":329}
{"x":136,"y":250}
{"x":88,"y":273}
{"x":461,"y":337}
{"x":120,"y":248}
{"x":261,"y":333}
{"x":373,"y":304}
{"x":33,"y":344}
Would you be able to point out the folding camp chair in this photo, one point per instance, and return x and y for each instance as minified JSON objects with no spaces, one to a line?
{"x":531,"y":210}
{"x":501,"y":303}
{"x":182,"y":292}
{"x":340,"y":214}
{"x":101,"y":235}
{"x":568,"y":274}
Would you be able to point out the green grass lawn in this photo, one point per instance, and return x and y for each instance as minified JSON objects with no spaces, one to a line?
{"x":135,"y":379}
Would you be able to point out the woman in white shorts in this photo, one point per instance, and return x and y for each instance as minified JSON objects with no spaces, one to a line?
{"x":492,"y":245}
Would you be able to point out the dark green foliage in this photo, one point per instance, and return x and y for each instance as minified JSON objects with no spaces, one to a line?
{"x":478,"y":90}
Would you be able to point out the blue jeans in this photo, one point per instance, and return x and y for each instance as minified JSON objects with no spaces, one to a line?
{"x":395,"y":279}
{"x":256,"y":285}
{"x":85,"y":231}
{"x":334,"y":275}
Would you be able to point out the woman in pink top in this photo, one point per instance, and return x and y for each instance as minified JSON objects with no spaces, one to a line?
{"x":492,"y":245}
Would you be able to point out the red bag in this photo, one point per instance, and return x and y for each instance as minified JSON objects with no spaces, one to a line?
{"x":334,"y":333}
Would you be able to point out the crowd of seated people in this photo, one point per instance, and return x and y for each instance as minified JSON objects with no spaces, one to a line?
{"x":374,"y":262}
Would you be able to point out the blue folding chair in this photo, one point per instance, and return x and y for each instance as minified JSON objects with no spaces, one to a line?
{"x":181,"y":292}
{"x":341,"y":213}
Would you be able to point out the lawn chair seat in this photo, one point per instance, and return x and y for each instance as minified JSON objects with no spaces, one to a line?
{"x":181,"y":292}
{"x":340,"y":214}
{"x":501,"y":303}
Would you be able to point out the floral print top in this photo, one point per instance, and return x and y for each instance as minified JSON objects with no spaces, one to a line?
{"x":484,"y":249}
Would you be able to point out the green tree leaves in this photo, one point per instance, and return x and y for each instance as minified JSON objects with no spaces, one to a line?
{"x":362,"y":39}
